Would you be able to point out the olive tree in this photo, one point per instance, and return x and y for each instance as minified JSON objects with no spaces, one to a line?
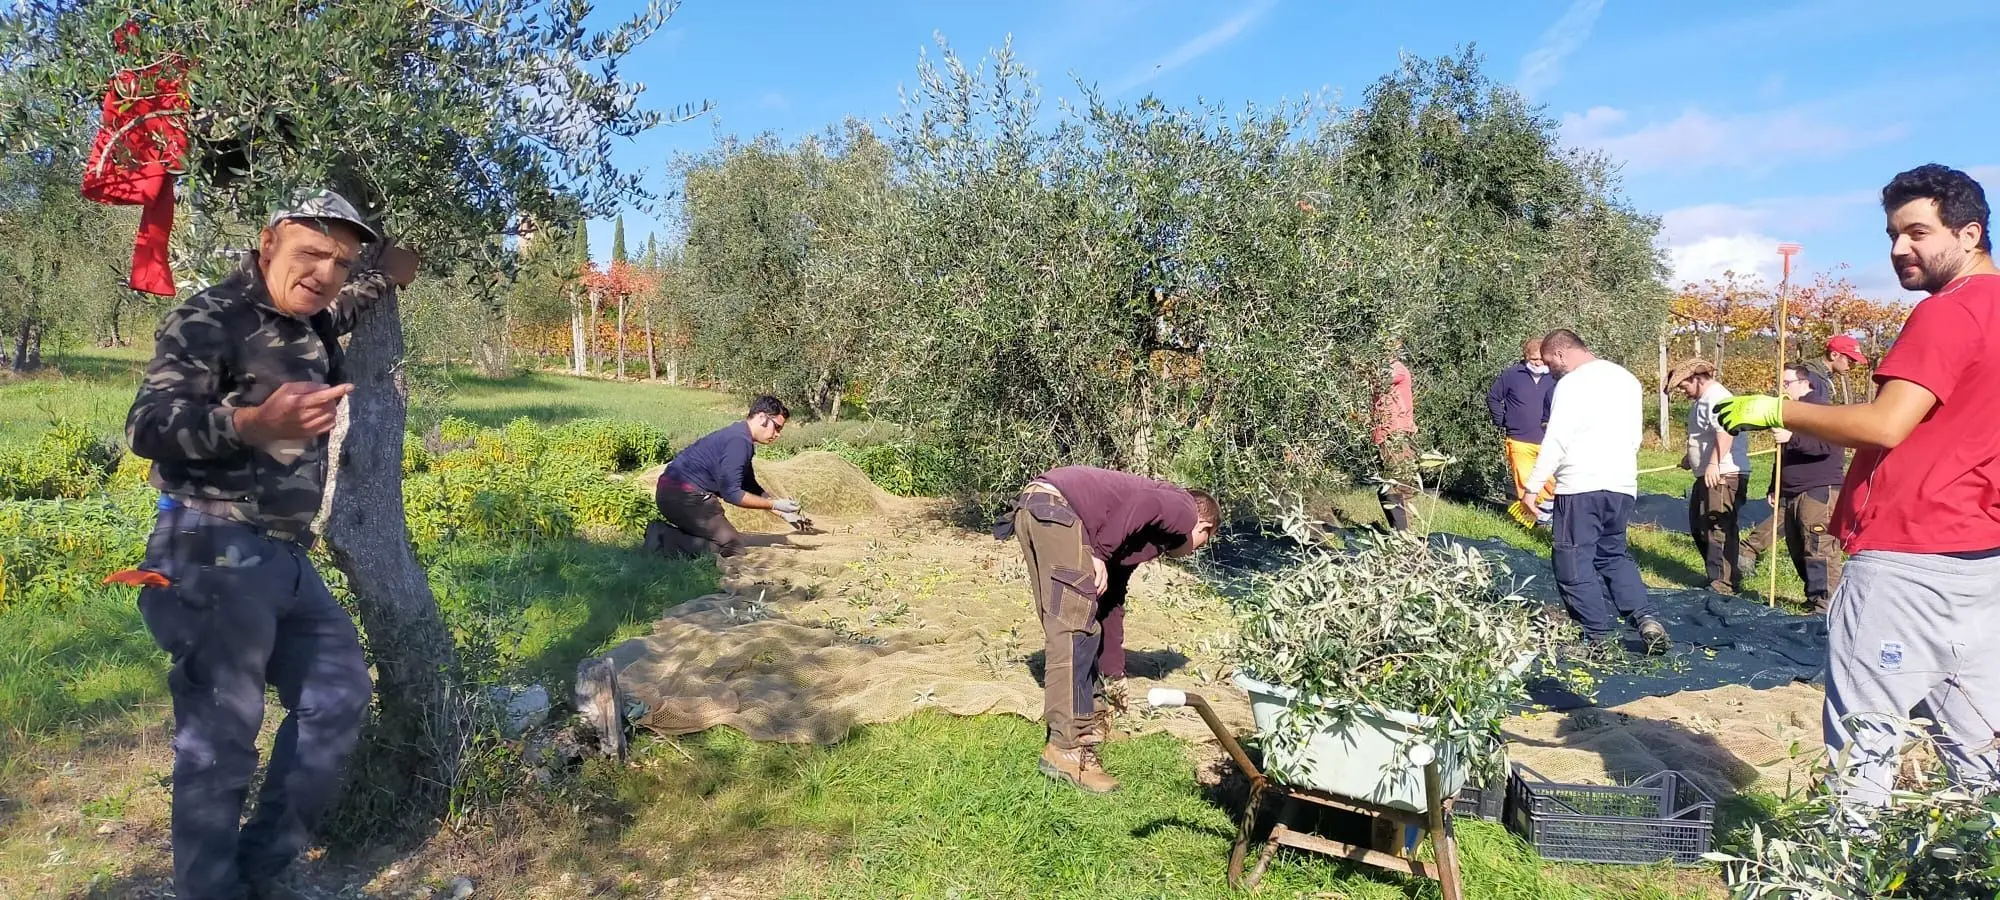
{"x":1218,"y":295}
{"x":449,"y":121}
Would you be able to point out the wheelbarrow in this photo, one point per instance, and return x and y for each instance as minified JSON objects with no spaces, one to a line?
{"x":1393,"y":825}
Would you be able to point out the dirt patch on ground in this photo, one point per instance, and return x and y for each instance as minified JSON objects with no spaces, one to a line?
{"x":889,"y":611}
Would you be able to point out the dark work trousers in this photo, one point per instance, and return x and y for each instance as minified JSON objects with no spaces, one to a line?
{"x":695,"y":524}
{"x":1805,"y":518}
{"x":1713,"y":514}
{"x":1397,"y":456}
{"x":1066,"y":591}
{"x":244,"y":611}
{"x":1111,"y":616}
{"x":1592,"y":560}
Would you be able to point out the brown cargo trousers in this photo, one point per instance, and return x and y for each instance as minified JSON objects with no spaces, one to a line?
{"x":1712,"y":517}
{"x":1054,"y":545}
{"x":1805,"y":517}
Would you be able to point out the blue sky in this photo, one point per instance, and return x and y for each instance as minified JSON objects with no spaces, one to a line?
{"x":1740,"y":124}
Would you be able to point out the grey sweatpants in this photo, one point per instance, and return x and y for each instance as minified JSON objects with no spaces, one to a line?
{"x":1913,"y":635}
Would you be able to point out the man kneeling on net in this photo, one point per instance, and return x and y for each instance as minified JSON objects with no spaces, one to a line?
{"x":709,"y":471}
{"x":1080,"y":528}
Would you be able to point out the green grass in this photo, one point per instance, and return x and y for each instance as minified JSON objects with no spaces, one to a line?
{"x":930,"y":806}
{"x":940,"y":806}
{"x":546,"y":399}
{"x":94,"y":387}
{"x":542,"y":607}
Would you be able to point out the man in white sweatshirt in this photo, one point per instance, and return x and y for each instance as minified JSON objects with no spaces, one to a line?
{"x":1592,"y":451}
{"x":1721,"y":464}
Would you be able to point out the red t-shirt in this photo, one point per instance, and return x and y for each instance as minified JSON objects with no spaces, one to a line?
{"x":1396,"y":409}
{"x":1939,"y":490}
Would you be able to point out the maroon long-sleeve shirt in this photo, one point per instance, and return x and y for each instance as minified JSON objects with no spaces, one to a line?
{"x":1129,"y":519}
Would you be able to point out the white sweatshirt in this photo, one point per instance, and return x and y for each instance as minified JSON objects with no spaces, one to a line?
{"x":1702,"y":435}
{"x":1595,"y":425}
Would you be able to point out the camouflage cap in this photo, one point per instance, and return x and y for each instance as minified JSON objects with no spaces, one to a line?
{"x":327,"y":206}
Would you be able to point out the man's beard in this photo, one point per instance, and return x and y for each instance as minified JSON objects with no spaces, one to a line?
{"x":1932,"y":274}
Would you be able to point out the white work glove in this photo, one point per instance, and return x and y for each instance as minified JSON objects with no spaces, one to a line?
{"x":783,"y":505}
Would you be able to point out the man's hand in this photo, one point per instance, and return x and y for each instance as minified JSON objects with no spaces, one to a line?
{"x":400,"y":264}
{"x":784,"y":505}
{"x":1750,"y":412}
{"x":1711,"y":476}
{"x":1781,"y":435}
{"x":297,"y":410}
{"x":1103,"y":579}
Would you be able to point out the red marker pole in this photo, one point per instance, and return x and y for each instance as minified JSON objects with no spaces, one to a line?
{"x":1786,"y":251}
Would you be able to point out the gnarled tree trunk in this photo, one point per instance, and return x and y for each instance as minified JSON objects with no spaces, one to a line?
{"x":412,"y":748}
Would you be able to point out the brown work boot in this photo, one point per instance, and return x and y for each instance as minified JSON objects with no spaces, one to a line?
{"x":1078,"y":767}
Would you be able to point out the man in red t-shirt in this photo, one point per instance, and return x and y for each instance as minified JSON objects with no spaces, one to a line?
{"x":1395,"y":434}
{"x":1916,"y":618}
{"x":1082,"y":529}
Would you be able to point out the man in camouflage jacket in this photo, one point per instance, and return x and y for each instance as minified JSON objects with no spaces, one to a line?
{"x":244,"y":384}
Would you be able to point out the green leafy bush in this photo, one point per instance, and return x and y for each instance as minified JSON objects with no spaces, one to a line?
{"x":1390,"y":622}
{"x":524,"y":482}
{"x":52,"y":551}
{"x":68,"y":460}
{"x":612,"y":445}
{"x":904,"y":468}
{"x":1934,"y":840}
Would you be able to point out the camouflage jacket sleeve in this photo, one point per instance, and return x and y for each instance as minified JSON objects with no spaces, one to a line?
{"x":178,"y":415}
{"x":363,"y":288}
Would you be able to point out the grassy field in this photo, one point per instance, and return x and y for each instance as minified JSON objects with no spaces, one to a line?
{"x":933,"y":806}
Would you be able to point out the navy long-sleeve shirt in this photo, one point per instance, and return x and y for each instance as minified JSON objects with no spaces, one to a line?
{"x":1519,"y":403}
{"x":1808,"y":461}
{"x":719,"y":463}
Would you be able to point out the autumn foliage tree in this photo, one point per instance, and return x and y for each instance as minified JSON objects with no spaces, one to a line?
{"x":1732,"y":321}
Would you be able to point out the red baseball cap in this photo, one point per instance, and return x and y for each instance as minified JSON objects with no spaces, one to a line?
{"x":1847,"y":346}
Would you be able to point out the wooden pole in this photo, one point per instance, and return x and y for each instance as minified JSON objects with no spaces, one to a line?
{"x":1664,"y":406}
{"x":1778,"y":464}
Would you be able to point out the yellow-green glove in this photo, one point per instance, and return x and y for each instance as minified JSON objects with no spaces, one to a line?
{"x":1750,"y":412}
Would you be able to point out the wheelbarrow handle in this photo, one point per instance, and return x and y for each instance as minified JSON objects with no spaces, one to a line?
{"x":1169,"y":698}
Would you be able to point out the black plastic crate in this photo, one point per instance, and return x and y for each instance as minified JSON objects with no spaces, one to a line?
{"x":1481,"y":799}
{"x":1663,"y":816}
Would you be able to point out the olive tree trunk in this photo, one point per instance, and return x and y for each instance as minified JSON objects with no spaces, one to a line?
{"x":409,"y":756}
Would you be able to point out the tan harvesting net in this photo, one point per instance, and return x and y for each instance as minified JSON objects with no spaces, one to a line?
{"x":892,"y":611}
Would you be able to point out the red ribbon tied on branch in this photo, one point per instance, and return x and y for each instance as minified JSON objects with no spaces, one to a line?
{"x":141,"y":142}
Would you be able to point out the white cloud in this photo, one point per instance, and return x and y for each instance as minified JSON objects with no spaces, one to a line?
{"x":1195,"y":48}
{"x":1542,"y":67}
{"x":1697,"y":140}
{"x":1707,"y":240}
{"x":774,"y":100}
{"x":1745,"y":253}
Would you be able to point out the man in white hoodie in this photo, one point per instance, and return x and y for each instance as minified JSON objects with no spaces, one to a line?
{"x":1592,"y":451}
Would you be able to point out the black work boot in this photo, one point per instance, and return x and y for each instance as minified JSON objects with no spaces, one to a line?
{"x":1654,"y":633}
